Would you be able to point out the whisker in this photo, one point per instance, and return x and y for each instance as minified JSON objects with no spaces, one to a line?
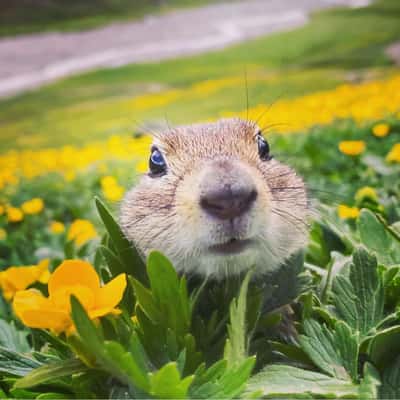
{"x":263,"y":113}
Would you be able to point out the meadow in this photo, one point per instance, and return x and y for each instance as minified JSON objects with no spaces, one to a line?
{"x":83,"y":316}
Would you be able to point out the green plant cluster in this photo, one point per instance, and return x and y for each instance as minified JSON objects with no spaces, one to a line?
{"x":326,"y":325}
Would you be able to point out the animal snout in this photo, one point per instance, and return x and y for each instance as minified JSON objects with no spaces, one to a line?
{"x":226,"y":203}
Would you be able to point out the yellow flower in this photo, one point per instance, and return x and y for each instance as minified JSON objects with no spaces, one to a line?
{"x":72,"y":277}
{"x":14,"y":279}
{"x":381,"y":130}
{"x":57,"y":227}
{"x":394,"y":154}
{"x":142,"y":167}
{"x":34,"y":206}
{"x":81,"y":231}
{"x":3,"y":234}
{"x":366,"y":193}
{"x":2,"y":209}
{"x":346,"y":212}
{"x":352,"y":147}
{"x":111,"y":189}
{"x":108,"y":181}
{"x":14,"y":214}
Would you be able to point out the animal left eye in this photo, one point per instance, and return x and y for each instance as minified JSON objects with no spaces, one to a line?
{"x":263,"y":148}
{"x":157,"y":163}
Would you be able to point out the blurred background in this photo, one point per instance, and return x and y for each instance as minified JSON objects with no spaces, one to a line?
{"x":76,"y":71}
{"x":83,"y":82}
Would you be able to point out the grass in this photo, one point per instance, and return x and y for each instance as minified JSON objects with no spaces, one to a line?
{"x":336,"y":46}
{"x":28,"y":16}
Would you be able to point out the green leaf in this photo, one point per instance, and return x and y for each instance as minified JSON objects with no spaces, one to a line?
{"x":284,"y":381}
{"x":390,"y":388}
{"x":221,"y":382}
{"x":16,"y":364}
{"x":128,"y":254}
{"x":292,"y":352}
{"x":12,"y":338}
{"x":237,"y":343}
{"x":120,"y":363}
{"x":50,"y":372}
{"x":359,"y":298}
{"x":335,"y":352}
{"x":111,"y":356}
{"x":384,"y":347}
{"x":166,"y":383}
{"x":113,"y":262}
{"x":85,"y":327}
{"x":370,"y":383}
{"x":373,"y":233}
{"x":171,"y":299}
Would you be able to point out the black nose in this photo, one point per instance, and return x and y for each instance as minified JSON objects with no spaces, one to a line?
{"x":227,"y":203}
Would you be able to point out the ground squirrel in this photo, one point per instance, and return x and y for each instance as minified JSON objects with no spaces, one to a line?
{"x":216,"y":202}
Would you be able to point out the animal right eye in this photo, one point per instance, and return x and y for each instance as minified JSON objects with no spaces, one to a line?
{"x":157,"y":163}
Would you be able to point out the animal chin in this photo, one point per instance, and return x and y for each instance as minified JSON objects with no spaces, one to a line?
{"x":232,"y":246}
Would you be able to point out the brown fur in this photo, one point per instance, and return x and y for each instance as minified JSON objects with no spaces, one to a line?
{"x":163,"y":213}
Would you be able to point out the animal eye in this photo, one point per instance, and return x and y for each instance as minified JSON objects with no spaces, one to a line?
{"x":157,"y":162}
{"x":263,"y":148}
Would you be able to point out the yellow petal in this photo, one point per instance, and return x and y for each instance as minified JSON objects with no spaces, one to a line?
{"x":55,"y":320}
{"x":111,"y":293}
{"x":61,"y":298}
{"x":35,"y":311}
{"x":74,"y":272}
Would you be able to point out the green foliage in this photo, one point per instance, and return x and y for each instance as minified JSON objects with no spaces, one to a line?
{"x":358,"y":297}
{"x":287,"y":381}
{"x":334,"y":351}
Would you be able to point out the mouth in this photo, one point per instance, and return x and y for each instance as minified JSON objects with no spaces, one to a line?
{"x":232,"y":246}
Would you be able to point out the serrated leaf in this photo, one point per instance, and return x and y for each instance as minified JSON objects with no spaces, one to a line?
{"x":359,"y":298}
{"x":166,"y":383}
{"x":390,"y":388}
{"x":286,"y":381}
{"x":370,"y":383}
{"x":51,"y":372}
{"x":220,"y":381}
{"x":384,"y":347}
{"x":335,"y":352}
{"x":236,"y":347}
{"x":373,"y":233}
{"x":130,"y":257}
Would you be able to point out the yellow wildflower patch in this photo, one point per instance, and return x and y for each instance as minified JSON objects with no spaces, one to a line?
{"x":2,"y":209}
{"x":346,"y":212}
{"x":111,"y":189}
{"x":34,"y":206}
{"x":362,"y":102}
{"x":81,"y":231}
{"x":56,"y":227}
{"x":352,"y":147}
{"x":14,"y":214}
{"x":394,"y":154}
{"x":14,"y":279}
{"x":72,"y":277}
{"x":381,"y":130}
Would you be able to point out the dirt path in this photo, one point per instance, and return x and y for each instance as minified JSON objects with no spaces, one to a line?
{"x":29,"y":61}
